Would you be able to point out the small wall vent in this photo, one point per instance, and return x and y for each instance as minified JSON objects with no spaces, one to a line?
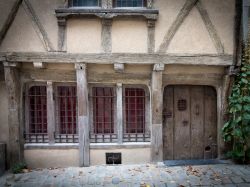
{"x":113,"y":158}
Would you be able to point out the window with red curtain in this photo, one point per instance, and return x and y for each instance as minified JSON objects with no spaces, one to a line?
{"x":103,"y":110}
{"x":134,"y":110}
{"x":37,"y":97}
{"x":66,"y":101}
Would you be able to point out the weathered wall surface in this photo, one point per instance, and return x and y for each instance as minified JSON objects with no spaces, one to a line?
{"x":129,"y":156}
{"x":128,"y":35}
{"x":4,"y":129}
{"x":46,"y":158}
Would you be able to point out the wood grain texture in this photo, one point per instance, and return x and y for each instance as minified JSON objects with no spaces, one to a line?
{"x":182,"y":15}
{"x":119,"y":112}
{"x":9,"y":19}
{"x":38,"y":26}
{"x":15,"y":149}
{"x":50,"y":112}
{"x":168,"y":123}
{"x":126,"y":58}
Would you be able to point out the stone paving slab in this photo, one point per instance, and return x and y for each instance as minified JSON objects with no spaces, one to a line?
{"x":146,"y":175}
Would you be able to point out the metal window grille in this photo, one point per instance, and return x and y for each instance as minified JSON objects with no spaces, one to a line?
{"x":66,"y":114}
{"x":84,"y":3}
{"x":37,"y":109}
{"x":130,"y":3}
{"x":135,"y":116}
{"x":103,"y":115}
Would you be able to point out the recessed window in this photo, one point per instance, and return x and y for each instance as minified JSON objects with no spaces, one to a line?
{"x":66,"y":101}
{"x":135,"y":110}
{"x":84,"y":3}
{"x":103,"y":110}
{"x":37,"y":97}
{"x":130,"y":3}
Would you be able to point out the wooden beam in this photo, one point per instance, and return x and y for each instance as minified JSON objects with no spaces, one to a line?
{"x":106,"y":35}
{"x":50,"y":112}
{"x":83,"y":122}
{"x":151,"y":36}
{"x":210,"y":28}
{"x":126,"y":58}
{"x":188,"y":6}
{"x":12,"y":81}
{"x":38,"y":26}
{"x":119,"y":68}
{"x":9,"y":20}
{"x":62,"y":45}
{"x":119,"y":111}
{"x":157,"y":104}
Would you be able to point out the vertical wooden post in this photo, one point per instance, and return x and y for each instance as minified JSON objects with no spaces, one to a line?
{"x":83,"y":122}
{"x":151,"y":36}
{"x":50,"y":112}
{"x":12,"y":81}
{"x":157,"y":103}
{"x":119,"y":112}
{"x":106,"y":35}
{"x":62,"y":34}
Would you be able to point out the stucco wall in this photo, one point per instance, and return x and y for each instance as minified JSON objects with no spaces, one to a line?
{"x":21,"y":36}
{"x":45,"y":158}
{"x":84,"y":36}
{"x":4,"y":128}
{"x":129,"y":156}
{"x":128,"y":35}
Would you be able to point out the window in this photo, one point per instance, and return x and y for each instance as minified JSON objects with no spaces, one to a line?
{"x":130,"y":3}
{"x":37,"y":115}
{"x":66,"y":114}
{"x":135,"y":119}
{"x":84,"y":3}
{"x":103,"y":114}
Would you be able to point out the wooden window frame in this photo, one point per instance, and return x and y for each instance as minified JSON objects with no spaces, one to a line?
{"x":102,"y":138}
{"x":137,"y":137}
{"x":28,"y":136}
{"x":144,"y":2}
{"x":63,"y":138}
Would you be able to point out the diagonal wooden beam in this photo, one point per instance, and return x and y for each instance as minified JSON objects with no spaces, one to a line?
{"x":9,"y":20}
{"x":210,"y":28}
{"x":188,"y":6}
{"x":38,"y":26}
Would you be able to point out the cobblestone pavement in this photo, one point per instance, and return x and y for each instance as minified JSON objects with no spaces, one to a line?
{"x":147,"y":175}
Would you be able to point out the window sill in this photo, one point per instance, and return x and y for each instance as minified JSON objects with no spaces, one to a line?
{"x":63,"y":13}
{"x":51,"y":146}
{"x":130,"y":145}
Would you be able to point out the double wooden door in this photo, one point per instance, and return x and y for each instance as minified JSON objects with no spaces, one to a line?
{"x":189,"y":123}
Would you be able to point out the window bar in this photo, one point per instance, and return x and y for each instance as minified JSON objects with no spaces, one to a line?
{"x":35,"y":110}
{"x":102,"y":137}
{"x":104,"y":103}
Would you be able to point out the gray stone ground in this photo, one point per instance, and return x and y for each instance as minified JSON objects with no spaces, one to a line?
{"x":147,"y":175}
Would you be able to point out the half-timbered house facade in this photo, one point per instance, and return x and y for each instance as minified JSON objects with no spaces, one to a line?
{"x":89,"y":82}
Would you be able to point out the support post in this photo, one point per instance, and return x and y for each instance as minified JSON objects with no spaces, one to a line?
{"x":12,"y":81}
{"x":62,"y":34}
{"x":157,"y":103}
{"x":106,"y":35}
{"x":83,"y":122}
{"x":119,"y":112}
{"x":151,"y":36}
{"x":50,"y":112}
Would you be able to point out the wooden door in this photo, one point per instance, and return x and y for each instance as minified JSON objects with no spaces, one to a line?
{"x":189,"y":123}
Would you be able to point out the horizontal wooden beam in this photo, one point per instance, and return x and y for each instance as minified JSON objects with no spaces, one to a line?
{"x":106,"y":13}
{"x":126,"y":58}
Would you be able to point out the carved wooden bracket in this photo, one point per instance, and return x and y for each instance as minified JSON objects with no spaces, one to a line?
{"x":80,"y":66}
{"x":39,"y":65}
{"x":119,"y":67}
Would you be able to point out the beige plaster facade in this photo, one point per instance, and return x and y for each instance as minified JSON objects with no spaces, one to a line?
{"x":88,"y":47}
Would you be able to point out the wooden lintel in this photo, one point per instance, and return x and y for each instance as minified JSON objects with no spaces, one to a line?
{"x":126,"y":58}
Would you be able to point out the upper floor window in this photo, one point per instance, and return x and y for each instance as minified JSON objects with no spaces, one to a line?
{"x":84,"y":3}
{"x":130,"y":3}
